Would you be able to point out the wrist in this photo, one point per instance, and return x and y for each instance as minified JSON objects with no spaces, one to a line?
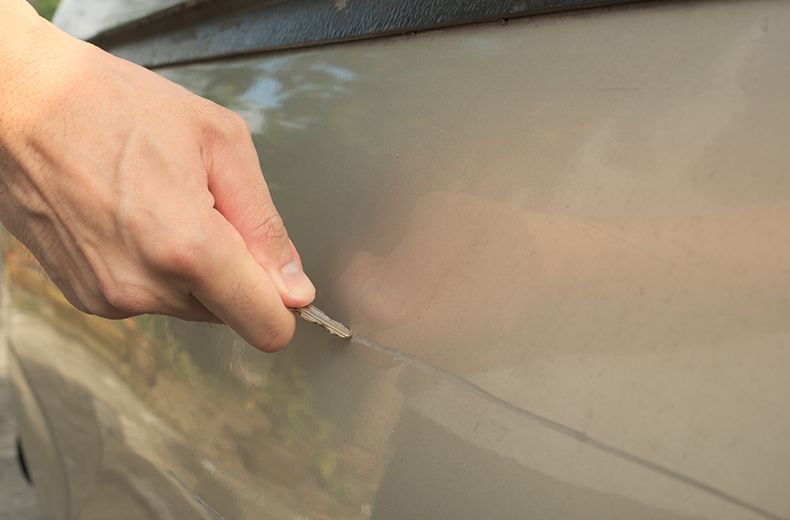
{"x":37,"y":62}
{"x":21,"y":27}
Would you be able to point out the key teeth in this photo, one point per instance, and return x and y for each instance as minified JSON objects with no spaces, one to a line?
{"x":315,"y":315}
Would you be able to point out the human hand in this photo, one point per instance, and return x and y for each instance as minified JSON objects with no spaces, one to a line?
{"x":135,"y":195}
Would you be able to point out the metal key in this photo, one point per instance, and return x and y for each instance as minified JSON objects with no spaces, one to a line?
{"x":315,"y":315}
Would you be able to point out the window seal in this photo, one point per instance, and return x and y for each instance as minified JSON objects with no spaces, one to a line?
{"x":203,"y":30}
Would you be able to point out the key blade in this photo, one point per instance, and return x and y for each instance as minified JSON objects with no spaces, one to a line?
{"x":315,"y":315}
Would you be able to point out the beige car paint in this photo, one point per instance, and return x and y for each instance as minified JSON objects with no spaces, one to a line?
{"x":561,"y":243}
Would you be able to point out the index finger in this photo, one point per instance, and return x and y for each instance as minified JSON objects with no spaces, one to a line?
{"x":235,"y":288}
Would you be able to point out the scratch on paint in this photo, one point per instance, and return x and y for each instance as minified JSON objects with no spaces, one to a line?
{"x":452,"y":379}
{"x":210,"y":510}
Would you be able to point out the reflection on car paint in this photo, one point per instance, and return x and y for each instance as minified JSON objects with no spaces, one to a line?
{"x":86,"y":18}
{"x":588,"y":231}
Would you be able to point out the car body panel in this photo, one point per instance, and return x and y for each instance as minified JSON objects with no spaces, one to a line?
{"x":561,"y":243}
{"x":86,"y":18}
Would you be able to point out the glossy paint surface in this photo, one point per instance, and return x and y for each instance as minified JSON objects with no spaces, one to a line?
{"x":85,"y":18}
{"x":561,"y":243}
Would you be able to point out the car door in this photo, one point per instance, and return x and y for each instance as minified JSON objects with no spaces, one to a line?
{"x":559,"y":239}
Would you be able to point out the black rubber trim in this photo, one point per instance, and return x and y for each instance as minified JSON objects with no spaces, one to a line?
{"x":200,"y":30}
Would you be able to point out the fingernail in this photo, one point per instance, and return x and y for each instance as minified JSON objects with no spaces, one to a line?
{"x":298,"y":284}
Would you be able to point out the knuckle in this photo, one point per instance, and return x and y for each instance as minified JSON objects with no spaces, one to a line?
{"x":270,"y":229}
{"x":181,"y":257}
{"x":90,"y":298}
{"x":219,"y":125}
{"x":229,"y":125}
{"x":121,"y":302}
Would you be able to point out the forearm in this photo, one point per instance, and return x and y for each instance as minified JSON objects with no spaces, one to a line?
{"x":37,"y":63}
{"x":34,"y":61}
{"x":14,"y":13}
{"x":21,"y":28}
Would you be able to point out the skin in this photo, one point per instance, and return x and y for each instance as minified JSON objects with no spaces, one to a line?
{"x":135,"y":195}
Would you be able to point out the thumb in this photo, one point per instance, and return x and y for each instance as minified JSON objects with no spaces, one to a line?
{"x":242,"y":197}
